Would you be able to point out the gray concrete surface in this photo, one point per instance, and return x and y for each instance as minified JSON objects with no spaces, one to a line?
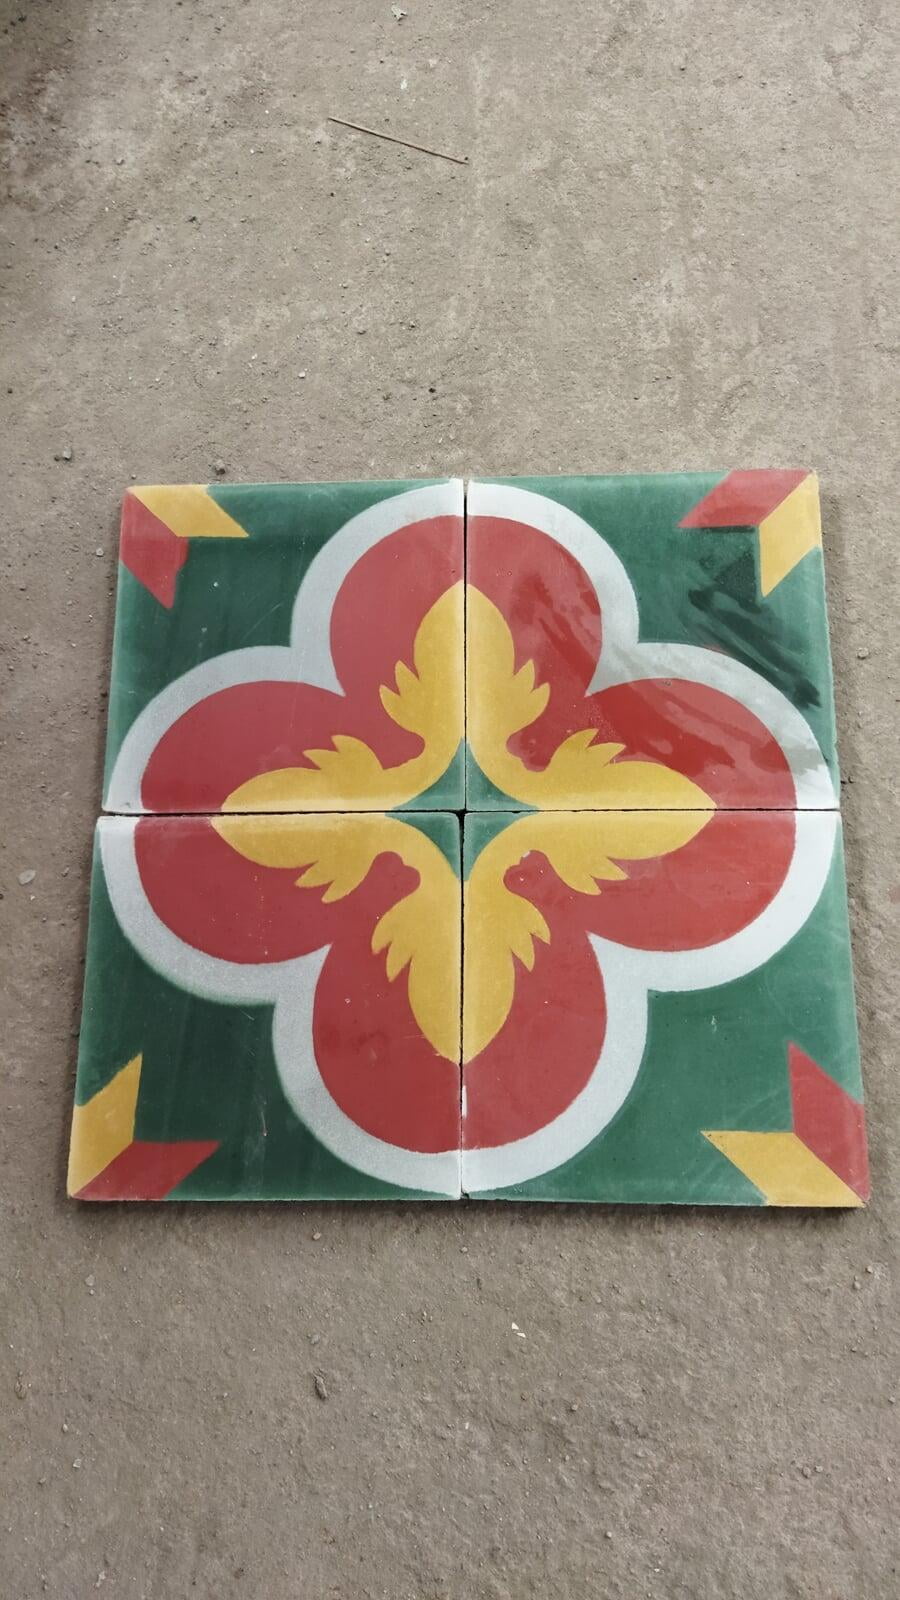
{"x":675,"y":245}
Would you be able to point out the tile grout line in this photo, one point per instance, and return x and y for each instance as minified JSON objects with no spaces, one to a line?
{"x":462,"y":833}
{"x":463,"y":813}
{"x":480,"y":811}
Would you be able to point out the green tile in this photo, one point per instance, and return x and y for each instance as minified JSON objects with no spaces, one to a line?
{"x":678,"y":1028}
{"x":681,"y":663}
{"x":242,"y":1039}
{"x":262,"y":633}
{"x":636,"y":985}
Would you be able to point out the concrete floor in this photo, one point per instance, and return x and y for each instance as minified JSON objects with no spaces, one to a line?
{"x":674,"y":245}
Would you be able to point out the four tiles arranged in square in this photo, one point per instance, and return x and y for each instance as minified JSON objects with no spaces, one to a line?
{"x":473,"y":842}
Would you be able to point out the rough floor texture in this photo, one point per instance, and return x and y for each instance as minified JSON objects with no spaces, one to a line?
{"x":674,"y":246}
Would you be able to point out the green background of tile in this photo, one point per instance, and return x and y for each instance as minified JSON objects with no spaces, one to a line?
{"x":715,"y":1058}
{"x":701,"y":587}
{"x":208,"y":1069}
{"x":288,"y":525}
{"x":694,"y":1074}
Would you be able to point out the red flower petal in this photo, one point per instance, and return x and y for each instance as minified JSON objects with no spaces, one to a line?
{"x":219,"y":902}
{"x":551,"y":609}
{"x":691,"y":898}
{"x":546,"y":596}
{"x":384,"y":597}
{"x":702,"y":733}
{"x":375,"y":1061}
{"x":371,"y":1054}
{"x":706,"y":891}
{"x":239,"y":733}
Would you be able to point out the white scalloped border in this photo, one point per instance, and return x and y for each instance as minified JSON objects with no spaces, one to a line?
{"x":290,"y":985}
{"x":629,"y":975}
{"x":307,"y":659}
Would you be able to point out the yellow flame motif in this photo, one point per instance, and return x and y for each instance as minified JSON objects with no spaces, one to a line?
{"x":633,"y":811}
{"x":501,"y":926}
{"x":428,"y":701}
{"x":580,"y":773}
{"x":419,"y":935}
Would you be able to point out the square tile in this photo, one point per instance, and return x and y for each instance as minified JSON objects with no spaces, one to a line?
{"x":658,"y":1007}
{"x":288,"y":647}
{"x":271,"y":1009}
{"x":651,"y":642}
{"x":642,"y":991}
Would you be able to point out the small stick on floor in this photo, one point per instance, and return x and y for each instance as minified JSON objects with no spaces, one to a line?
{"x":460,"y":161}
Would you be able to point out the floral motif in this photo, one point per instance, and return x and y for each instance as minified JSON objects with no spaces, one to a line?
{"x":649,"y":763}
{"x":362,"y":710}
{"x":643,"y":762}
{"x":349,"y":924}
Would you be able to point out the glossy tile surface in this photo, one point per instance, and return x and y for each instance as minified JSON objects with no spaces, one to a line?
{"x":658,"y":1007}
{"x":648,"y":642}
{"x":289,"y":647}
{"x":271,"y":1009}
{"x":639,"y":989}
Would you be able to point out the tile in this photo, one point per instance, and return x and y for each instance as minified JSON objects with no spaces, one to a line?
{"x":271,"y":1009}
{"x":651,"y":642}
{"x":636,"y":985}
{"x":288,"y":647}
{"x":658,"y":1007}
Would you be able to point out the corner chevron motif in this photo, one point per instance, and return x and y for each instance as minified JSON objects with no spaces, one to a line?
{"x":106,"y":1162}
{"x":158,"y":521}
{"x":783,"y":506}
{"x":472,"y":840}
{"x":822,"y":1160}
